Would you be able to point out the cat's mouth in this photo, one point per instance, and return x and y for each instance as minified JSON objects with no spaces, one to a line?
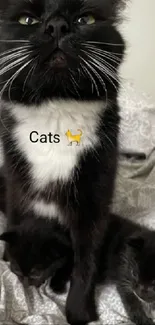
{"x":58,"y":59}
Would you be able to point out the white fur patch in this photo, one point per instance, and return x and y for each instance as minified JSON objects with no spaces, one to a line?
{"x":46,"y":210}
{"x":55,"y":161}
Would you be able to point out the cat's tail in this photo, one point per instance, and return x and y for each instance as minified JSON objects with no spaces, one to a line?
{"x":80,"y":131}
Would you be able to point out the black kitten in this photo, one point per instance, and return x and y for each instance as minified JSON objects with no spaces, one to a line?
{"x":129,"y":262}
{"x":38,"y":251}
{"x":136,"y":275}
{"x":59,"y":65}
{"x":127,"y":259}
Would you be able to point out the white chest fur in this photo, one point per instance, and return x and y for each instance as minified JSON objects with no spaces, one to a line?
{"x":53,"y":161}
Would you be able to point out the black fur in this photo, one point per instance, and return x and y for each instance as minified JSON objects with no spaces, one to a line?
{"x":86,"y":197}
{"x":2,"y":191}
{"x":43,"y":44}
{"x":39,"y":250}
{"x":127,"y":259}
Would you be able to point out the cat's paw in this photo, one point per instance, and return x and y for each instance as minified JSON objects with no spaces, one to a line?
{"x":82,"y":316}
{"x":80,"y":310}
{"x":58,"y":287}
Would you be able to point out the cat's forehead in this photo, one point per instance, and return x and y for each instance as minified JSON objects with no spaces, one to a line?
{"x":53,"y":6}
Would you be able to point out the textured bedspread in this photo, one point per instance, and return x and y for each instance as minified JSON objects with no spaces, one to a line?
{"x":135,"y":198}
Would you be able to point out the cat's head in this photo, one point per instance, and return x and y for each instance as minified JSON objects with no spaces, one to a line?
{"x":68,"y":133}
{"x":36,"y":255}
{"x":58,"y":49}
{"x":139,"y":260}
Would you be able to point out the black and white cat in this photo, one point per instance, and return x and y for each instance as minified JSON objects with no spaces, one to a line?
{"x":59,"y":65}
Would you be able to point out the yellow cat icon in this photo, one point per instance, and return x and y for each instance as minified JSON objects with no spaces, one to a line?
{"x":74,"y":138}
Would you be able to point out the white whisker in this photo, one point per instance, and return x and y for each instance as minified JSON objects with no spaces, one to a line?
{"x":14,"y":41}
{"x":100,"y":79}
{"x":107,"y":66}
{"x":29,"y":73}
{"x":12,"y":65}
{"x":109,"y":70}
{"x":100,"y":49}
{"x":114,"y":54}
{"x":106,"y":55}
{"x":100,"y":59}
{"x":74,"y":83}
{"x":72,"y":73}
{"x":11,"y":57}
{"x":16,"y":75}
{"x":14,"y":50}
{"x":93,"y":82}
{"x":20,"y":69}
{"x":103,"y":53}
{"x":88,"y":65}
{"x":105,"y":71}
{"x":98,"y":64}
{"x":104,"y":43}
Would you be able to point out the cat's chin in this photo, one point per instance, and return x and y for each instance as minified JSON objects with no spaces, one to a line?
{"x":58,"y":60}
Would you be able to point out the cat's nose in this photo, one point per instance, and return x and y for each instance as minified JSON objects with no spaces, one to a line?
{"x":57,"y":28}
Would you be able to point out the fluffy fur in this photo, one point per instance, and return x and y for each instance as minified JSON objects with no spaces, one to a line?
{"x":49,"y":254}
{"x":127,"y":259}
{"x":58,"y":159}
{"x":59,"y":69}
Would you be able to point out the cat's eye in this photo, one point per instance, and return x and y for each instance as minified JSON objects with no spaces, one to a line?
{"x":86,"y":20}
{"x":28,"y":20}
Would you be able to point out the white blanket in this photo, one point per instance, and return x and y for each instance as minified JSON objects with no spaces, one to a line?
{"x":135,"y":198}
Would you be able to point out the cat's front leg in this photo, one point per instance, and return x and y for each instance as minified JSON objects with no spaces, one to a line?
{"x":134,"y":308}
{"x":81,"y":308}
{"x":86,"y":236}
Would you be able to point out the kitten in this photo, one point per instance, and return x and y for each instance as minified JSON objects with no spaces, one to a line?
{"x":127,"y":259}
{"x":136,"y":276}
{"x":59,"y":65}
{"x":37,"y":251}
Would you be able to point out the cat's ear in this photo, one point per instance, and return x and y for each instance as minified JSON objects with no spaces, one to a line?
{"x":136,"y":241}
{"x":9,"y":237}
